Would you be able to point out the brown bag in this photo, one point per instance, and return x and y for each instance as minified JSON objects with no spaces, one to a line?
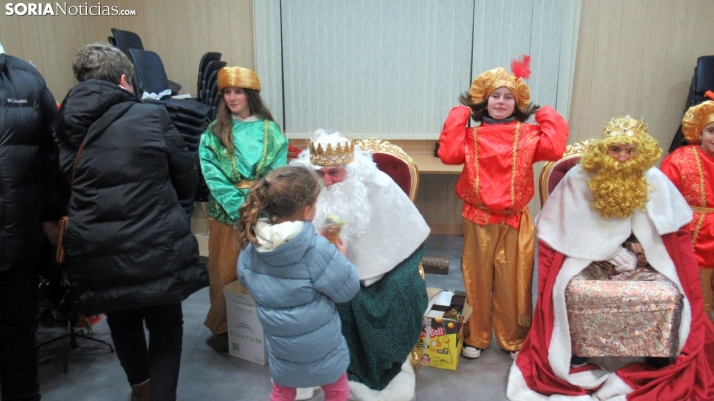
{"x":64,"y":221}
{"x":59,"y":256}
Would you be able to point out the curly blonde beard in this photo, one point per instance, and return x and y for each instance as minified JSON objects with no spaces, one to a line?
{"x":620,"y":187}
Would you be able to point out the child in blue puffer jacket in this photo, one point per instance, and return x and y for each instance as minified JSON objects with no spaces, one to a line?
{"x":295,"y":277}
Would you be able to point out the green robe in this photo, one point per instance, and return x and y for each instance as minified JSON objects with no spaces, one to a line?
{"x":382,"y":323}
{"x":257,"y":151}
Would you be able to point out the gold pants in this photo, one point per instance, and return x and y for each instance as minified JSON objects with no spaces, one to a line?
{"x":489,"y":267}
{"x":707,"y":278}
{"x":223,"y":254}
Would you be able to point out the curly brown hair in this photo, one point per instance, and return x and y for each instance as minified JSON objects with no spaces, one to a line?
{"x":283,"y":193}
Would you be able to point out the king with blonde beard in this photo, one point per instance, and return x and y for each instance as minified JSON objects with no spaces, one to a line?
{"x":614,"y":195}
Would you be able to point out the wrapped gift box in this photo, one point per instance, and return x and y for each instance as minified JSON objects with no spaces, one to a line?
{"x":624,"y":318}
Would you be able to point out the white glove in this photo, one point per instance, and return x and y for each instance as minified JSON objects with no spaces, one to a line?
{"x":624,"y":261}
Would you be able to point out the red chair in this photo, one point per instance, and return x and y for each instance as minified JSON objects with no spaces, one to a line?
{"x":394,"y":162}
{"x":553,"y":172}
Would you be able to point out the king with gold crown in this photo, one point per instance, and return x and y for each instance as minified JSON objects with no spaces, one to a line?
{"x":385,"y":234}
{"x":619,"y":310}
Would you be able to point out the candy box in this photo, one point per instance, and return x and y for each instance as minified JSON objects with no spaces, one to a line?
{"x":442,"y":337}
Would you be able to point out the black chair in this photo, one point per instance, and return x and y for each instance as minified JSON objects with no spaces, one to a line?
{"x":150,"y":73}
{"x":702,"y":81}
{"x":127,"y":40}
{"x":207,"y":58}
{"x":112,"y":41}
{"x":209,"y":73}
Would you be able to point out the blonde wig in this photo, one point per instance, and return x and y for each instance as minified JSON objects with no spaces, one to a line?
{"x":620,"y":187}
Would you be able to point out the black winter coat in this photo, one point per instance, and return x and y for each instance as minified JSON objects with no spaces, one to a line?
{"x":129,"y":242}
{"x":29,"y":172}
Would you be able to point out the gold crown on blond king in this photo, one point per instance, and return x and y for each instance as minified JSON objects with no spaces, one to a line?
{"x":332,"y":156}
{"x":624,"y":126}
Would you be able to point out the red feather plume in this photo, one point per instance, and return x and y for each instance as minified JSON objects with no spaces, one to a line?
{"x":521,"y":68}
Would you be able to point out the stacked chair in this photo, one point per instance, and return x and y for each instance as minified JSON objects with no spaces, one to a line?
{"x":189,"y":116}
{"x":702,"y":81}
{"x":127,"y":40}
{"x":208,"y":90}
{"x":207,"y":58}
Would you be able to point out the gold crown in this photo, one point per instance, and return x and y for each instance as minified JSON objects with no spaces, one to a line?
{"x":332,"y":156}
{"x":624,"y":126}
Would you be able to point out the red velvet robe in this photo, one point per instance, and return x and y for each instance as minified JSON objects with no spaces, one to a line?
{"x":689,"y":377}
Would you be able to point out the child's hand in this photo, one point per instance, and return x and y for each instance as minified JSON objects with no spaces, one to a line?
{"x":341,"y":246}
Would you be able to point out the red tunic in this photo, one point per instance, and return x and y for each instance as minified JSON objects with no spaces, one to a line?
{"x":497,"y":180}
{"x":692,"y":172}
{"x":689,"y":377}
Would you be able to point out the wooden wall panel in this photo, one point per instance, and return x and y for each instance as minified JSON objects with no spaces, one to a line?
{"x":180,"y":31}
{"x":49,"y":42}
{"x":636,"y":57}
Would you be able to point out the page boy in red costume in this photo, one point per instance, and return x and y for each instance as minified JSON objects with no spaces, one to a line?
{"x":496,"y":185}
{"x":691,"y":169}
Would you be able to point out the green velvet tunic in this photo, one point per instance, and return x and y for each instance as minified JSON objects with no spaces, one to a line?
{"x":382,"y":323}
{"x":259,"y":147}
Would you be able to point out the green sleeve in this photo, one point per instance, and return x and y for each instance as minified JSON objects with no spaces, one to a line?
{"x":223,"y":191}
{"x":277,"y":149}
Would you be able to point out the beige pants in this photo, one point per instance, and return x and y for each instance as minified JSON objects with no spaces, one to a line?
{"x":223,"y":254}
{"x":489,"y":266}
{"x":707,"y":278}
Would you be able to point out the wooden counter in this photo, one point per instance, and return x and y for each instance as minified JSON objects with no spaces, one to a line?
{"x":428,"y":164}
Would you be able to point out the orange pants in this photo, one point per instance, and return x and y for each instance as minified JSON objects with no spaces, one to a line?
{"x":489,"y":266}
{"x":706,"y":275}
{"x":223,"y":254}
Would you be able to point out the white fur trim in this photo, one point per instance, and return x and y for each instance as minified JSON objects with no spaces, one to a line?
{"x":614,"y":389}
{"x":518,"y":390}
{"x":559,"y":351}
{"x":667,"y":208}
{"x":401,"y":388}
{"x":2,"y":49}
{"x":570,"y":202}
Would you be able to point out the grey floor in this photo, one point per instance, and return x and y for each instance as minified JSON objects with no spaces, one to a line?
{"x":95,"y":374}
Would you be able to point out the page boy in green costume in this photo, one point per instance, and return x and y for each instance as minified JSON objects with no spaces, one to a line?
{"x":242,"y":145}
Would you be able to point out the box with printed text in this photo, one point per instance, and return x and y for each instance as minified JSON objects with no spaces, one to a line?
{"x":246,"y":339}
{"x":442,"y":336}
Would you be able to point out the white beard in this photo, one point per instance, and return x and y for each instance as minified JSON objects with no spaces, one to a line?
{"x":349,"y":201}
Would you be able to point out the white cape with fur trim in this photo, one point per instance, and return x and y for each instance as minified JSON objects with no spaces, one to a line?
{"x":395,"y":231}
{"x":569,"y":225}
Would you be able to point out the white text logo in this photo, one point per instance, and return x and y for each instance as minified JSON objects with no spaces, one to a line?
{"x":64,"y":9}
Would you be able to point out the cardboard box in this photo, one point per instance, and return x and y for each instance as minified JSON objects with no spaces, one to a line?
{"x":442,"y":336}
{"x":246,"y":339}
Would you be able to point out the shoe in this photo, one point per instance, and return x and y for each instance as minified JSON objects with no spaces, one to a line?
{"x":578,"y":361}
{"x":140,"y":392}
{"x":470,"y":352}
{"x":305,"y":393}
{"x":219,"y":342}
{"x":514,"y":354}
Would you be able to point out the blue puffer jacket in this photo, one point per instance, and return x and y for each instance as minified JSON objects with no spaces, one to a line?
{"x":295,"y":287}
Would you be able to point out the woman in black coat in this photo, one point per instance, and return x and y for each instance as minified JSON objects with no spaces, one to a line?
{"x":130,"y":250}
